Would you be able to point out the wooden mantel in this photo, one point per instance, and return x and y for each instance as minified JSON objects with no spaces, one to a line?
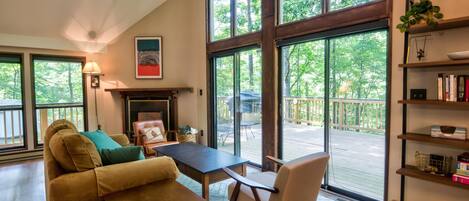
{"x":173,"y":90}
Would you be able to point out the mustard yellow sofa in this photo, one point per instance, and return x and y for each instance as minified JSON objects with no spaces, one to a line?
{"x":151,"y":179}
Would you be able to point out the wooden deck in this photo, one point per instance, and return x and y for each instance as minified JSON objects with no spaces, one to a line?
{"x":357,"y":159}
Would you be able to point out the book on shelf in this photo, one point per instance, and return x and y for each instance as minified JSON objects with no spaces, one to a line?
{"x":466,"y":91}
{"x":461,"y":79}
{"x":461,"y":179}
{"x":453,"y":88}
{"x":440,"y":86}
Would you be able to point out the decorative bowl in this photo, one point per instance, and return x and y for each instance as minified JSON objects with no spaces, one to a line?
{"x":459,"y":55}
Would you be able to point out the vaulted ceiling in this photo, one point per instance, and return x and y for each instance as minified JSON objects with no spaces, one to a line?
{"x":66,"y":24}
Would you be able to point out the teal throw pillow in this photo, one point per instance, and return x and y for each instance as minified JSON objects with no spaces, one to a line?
{"x":121,"y":155}
{"x":101,"y":140}
{"x":112,"y":152}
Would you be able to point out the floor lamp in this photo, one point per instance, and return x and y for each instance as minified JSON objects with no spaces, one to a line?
{"x":92,"y":69}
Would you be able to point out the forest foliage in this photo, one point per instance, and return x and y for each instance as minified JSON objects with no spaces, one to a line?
{"x":54,"y":82}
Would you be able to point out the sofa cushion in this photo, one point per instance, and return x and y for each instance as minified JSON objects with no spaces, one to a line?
{"x":124,"y":176}
{"x":101,"y":140}
{"x":121,"y":155}
{"x":74,"y":152}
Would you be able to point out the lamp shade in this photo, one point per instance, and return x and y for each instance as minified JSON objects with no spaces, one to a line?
{"x":92,"y":68}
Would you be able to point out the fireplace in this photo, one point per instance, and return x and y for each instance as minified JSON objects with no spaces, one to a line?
{"x":141,"y":104}
{"x":145,"y":109}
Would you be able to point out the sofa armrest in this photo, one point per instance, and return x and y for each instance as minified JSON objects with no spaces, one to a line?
{"x":73,"y":186}
{"x":122,"y":139}
{"x":123,"y":176}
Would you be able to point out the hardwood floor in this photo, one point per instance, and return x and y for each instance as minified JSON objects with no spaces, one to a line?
{"x":22,"y":181}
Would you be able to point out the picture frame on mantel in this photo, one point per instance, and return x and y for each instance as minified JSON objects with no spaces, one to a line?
{"x":148,"y":57}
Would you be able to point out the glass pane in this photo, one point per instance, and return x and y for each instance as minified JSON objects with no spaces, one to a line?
{"x":357,"y":113}
{"x":58,"y":82}
{"x":224,"y":82}
{"x":11,"y":115}
{"x":340,"y":4}
{"x":294,"y":10}
{"x":303,"y":99}
{"x":220,"y":17}
{"x":250,"y":105}
{"x":248,"y":16}
{"x":58,"y":93}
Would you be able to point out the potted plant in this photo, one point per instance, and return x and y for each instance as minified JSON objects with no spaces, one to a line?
{"x":423,"y":10}
{"x":187,"y":134}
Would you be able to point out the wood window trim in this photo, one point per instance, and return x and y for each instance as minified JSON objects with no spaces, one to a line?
{"x":33,"y":92}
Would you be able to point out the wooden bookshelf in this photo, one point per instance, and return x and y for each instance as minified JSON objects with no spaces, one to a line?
{"x":412,"y":171}
{"x":436,"y":64}
{"x":434,"y":102}
{"x":442,"y":25}
{"x":460,"y":144}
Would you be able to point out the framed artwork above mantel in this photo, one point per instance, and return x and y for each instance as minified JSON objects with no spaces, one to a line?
{"x":148,"y":57}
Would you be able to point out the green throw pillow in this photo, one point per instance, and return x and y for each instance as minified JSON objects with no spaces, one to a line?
{"x":112,"y":152}
{"x":121,"y":155}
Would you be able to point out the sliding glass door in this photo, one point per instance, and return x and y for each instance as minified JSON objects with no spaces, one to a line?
{"x":334,"y":100}
{"x":357,"y":105}
{"x":238,"y":89}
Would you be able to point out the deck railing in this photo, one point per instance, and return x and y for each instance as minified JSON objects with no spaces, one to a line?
{"x":345,"y":114}
{"x":11,"y":126}
{"x":46,"y":114}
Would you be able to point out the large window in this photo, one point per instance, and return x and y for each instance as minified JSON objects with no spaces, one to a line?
{"x":59,"y":92}
{"x":294,"y":10}
{"x":352,"y":87}
{"x":12,"y":133}
{"x":238,"y":104}
{"x":231,"y":18}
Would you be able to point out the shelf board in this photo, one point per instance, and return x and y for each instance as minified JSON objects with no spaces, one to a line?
{"x":435,"y":64}
{"x":433,"y":102}
{"x":412,"y":171}
{"x":461,"y":144}
{"x":442,"y":25}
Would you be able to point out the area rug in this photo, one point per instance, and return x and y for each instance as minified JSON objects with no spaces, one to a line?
{"x":219,"y":191}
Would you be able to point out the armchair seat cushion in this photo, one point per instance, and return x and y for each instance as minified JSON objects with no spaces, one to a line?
{"x":74,"y":152}
{"x":245,"y":194}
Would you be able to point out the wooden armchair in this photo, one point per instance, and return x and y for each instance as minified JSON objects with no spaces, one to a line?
{"x":299,"y":179}
{"x":141,"y":140}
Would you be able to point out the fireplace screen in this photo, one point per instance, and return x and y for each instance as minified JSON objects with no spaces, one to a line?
{"x":144,"y":110}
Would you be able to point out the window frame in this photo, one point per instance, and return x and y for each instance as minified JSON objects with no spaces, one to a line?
{"x":23,"y":107}
{"x":58,"y":58}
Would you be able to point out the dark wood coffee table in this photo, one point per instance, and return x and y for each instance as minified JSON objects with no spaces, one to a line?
{"x":203,"y":164}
